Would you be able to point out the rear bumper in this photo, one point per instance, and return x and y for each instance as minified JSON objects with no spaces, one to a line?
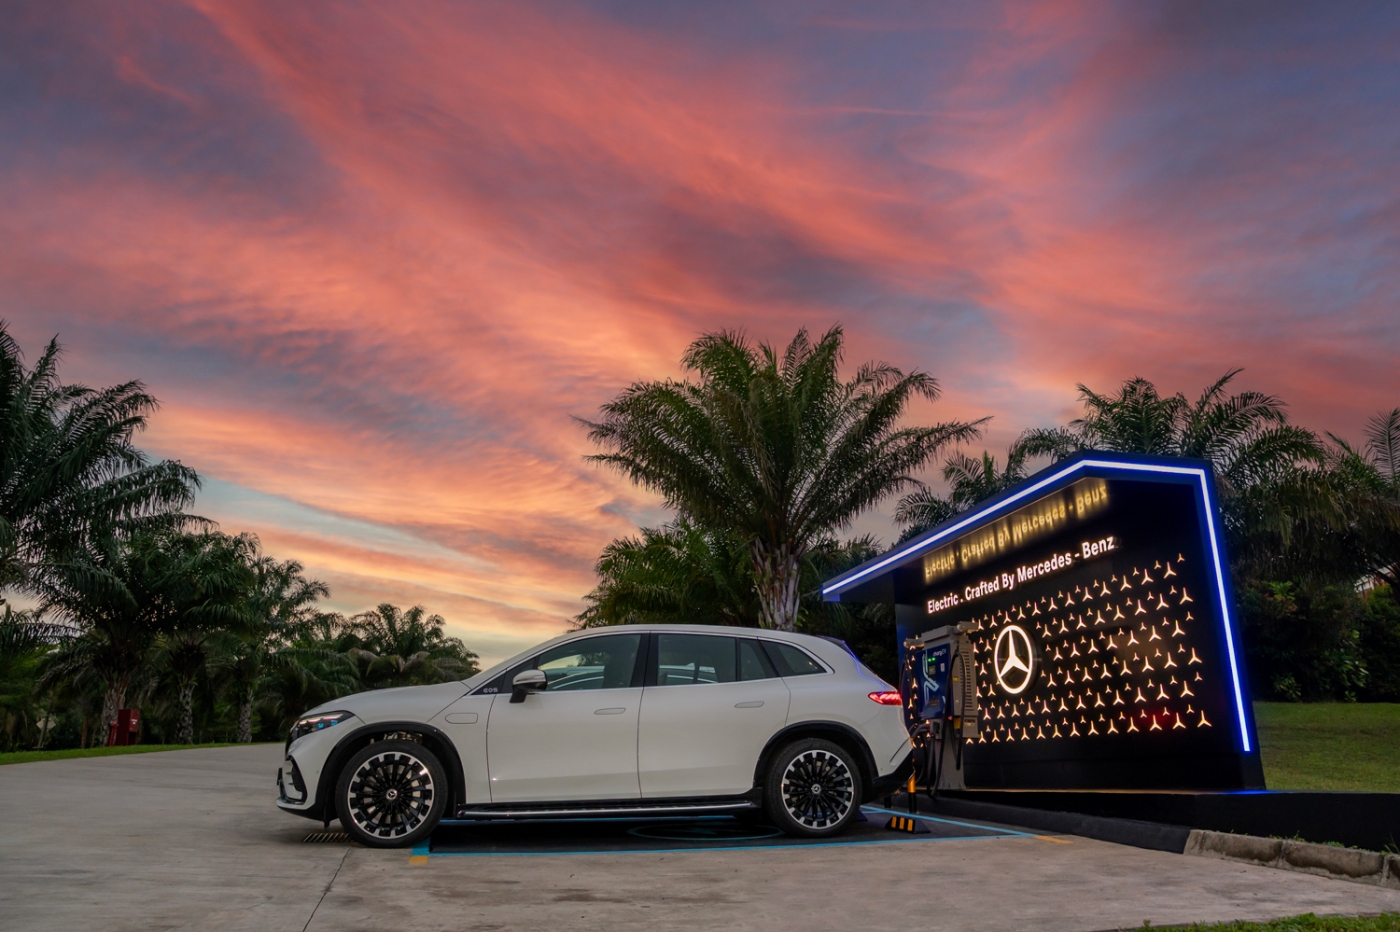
{"x":895,"y":780}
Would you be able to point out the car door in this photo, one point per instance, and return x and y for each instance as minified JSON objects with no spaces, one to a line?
{"x":577,"y":739}
{"x":710,"y":705}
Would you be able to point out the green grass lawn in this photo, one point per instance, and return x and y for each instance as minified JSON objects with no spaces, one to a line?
{"x":24,"y":757}
{"x":1385,"y":922}
{"x":1330,"y":745}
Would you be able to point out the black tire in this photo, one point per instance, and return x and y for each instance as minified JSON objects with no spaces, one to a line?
{"x":391,"y":794}
{"x":813,"y":788}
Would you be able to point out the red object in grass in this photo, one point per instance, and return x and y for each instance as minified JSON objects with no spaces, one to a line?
{"x":889,"y":697}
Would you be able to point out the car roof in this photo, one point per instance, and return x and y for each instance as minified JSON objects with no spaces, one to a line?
{"x":810,"y":641}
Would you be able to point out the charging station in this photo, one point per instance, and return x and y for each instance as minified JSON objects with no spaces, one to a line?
{"x":940,"y":690}
{"x":1076,"y":632}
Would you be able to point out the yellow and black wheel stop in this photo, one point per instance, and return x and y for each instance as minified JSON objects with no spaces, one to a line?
{"x":909,"y":823}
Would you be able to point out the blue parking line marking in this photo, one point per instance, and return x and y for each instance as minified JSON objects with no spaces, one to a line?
{"x":822,"y":844}
{"x":423,"y":850}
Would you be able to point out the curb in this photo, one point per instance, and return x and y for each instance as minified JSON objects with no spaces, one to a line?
{"x":1151,"y":835}
{"x":1367,"y":867}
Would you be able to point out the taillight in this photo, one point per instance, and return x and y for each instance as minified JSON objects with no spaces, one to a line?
{"x":889,"y":697}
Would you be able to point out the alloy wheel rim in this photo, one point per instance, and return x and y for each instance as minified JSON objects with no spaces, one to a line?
{"x":817,"y":789}
{"x":390,"y":794}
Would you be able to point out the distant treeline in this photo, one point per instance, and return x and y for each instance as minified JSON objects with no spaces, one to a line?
{"x":138,"y":604}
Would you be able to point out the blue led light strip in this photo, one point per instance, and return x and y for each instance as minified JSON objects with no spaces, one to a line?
{"x":1201,"y":477}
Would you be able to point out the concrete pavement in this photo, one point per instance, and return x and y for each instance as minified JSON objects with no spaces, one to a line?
{"x":191,"y":840}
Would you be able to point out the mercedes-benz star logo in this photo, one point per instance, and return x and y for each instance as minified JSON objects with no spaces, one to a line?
{"x":1013,"y":659}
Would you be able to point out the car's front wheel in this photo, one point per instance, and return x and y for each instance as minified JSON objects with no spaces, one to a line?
{"x":391,"y":794}
{"x":813,"y":788}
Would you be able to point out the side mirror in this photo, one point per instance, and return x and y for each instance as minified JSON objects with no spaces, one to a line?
{"x":526,"y":682}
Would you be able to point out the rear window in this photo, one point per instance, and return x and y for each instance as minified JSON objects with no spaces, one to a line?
{"x":789,"y":660}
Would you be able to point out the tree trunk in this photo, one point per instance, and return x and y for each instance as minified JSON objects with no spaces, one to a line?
{"x":245,"y":717}
{"x":185,"y":733}
{"x":777,"y":571}
{"x":113,"y":698}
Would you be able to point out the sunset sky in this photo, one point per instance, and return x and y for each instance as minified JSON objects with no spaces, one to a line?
{"x":371,"y":257}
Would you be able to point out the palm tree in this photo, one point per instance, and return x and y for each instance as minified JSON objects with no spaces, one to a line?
{"x":1383,"y":445}
{"x":210,"y":585}
{"x":1246,"y":436}
{"x":69,"y":470}
{"x":310,"y":671}
{"x":1364,"y":485}
{"x":183,"y":656}
{"x":1266,"y":469}
{"x":402,"y":648}
{"x":869,"y":630}
{"x":279,"y":605}
{"x":772,"y":447}
{"x":970,"y":481}
{"x":117,"y":597}
{"x":25,"y":640}
{"x":677,"y":574}
{"x":129,"y":592}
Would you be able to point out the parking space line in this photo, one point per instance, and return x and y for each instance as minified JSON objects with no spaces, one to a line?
{"x":918,"y":839}
{"x":422,"y":852}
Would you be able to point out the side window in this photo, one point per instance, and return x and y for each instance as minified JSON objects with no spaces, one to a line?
{"x":789,"y":660}
{"x":688,"y":659}
{"x":501,"y":684}
{"x":595,"y":663}
{"x":753,"y":662}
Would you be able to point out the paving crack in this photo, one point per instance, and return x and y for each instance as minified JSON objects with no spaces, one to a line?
{"x":329,"y":884}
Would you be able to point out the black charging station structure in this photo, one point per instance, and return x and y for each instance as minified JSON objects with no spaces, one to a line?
{"x":1095,"y":601}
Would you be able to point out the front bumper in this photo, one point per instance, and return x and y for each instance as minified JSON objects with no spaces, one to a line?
{"x":300,"y":773}
{"x":292,"y":795}
{"x":291,"y":787}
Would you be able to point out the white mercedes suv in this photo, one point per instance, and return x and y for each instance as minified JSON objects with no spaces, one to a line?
{"x":630,"y":720}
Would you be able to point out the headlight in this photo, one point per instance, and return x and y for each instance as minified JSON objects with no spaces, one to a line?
{"x":309,"y":723}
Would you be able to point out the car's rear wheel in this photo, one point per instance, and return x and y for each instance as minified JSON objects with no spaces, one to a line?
{"x":391,"y":794}
{"x":813,"y":788}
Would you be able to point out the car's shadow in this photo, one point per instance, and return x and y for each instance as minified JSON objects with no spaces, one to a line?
{"x":615,"y":836}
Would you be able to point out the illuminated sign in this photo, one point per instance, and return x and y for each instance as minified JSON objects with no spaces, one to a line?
{"x":1013,"y":660}
{"x":1117,"y":657}
{"x":1022,"y":574}
{"x":1047,"y":516}
{"x":1101,"y":627}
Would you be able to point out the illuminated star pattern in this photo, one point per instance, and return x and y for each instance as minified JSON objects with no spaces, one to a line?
{"x":1116,"y":658}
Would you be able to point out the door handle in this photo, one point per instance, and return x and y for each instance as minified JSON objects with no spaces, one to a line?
{"x":609,"y":711}
{"x":748,"y":705}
